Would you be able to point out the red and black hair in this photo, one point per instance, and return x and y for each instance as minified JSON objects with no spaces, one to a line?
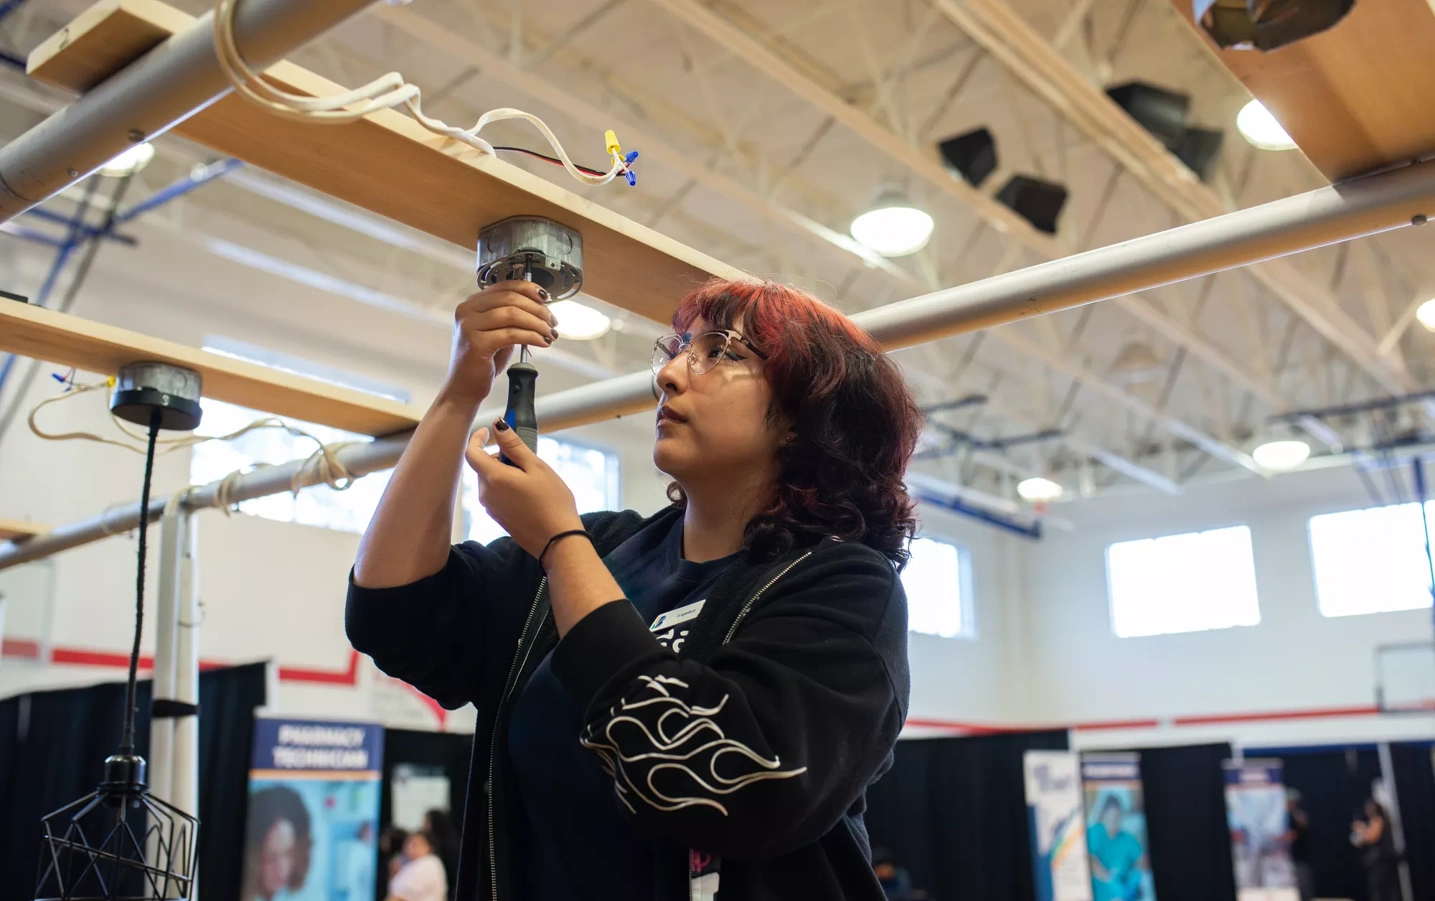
{"x":854,"y":420}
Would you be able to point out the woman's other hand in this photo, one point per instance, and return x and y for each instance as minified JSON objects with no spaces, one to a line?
{"x":486,"y":327}
{"x":528,"y":499}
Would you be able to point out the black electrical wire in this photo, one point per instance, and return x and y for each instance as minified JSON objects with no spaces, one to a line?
{"x":127,"y":745}
{"x":552,"y":159}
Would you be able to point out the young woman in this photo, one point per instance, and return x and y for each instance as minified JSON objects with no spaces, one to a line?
{"x":692,"y":700}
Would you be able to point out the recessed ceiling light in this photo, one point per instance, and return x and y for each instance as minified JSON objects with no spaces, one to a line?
{"x":129,"y":162}
{"x":893,"y":227}
{"x":1425,"y":315}
{"x":1282,"y":455}
{"x":1260,"y":128}
{"x":579,"y":321}
{"x":1038,"y":489}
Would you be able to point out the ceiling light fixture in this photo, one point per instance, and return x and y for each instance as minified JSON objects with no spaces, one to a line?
{"x":580,"y":321}
{"x":1038,"y":489}
{"x":129,"y":162}
{"x":893,"y":227}
{"x":1425,"y":315}
{"x":1261,"y":129}
{"x":1282,"y":455}
{"x":1135,"y":363}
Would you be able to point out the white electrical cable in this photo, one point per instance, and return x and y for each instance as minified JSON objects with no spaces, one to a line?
{"x":388,"y":92}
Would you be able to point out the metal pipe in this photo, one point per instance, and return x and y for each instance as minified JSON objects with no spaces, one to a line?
{"x":1422,"y":498}
{"x":1329,"y":215}
{"x":195,"y":179}
{"x":148,"y":97}
{"x":40,"y":212}
{"x":1365,"y":406}
{"x":957,"y":505}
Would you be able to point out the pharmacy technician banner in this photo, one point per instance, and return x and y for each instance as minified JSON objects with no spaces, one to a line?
{"x":313,"y":811}
{"x":1058,"y":830}
{"x":1256,"y":811}
{"x":1116,"y":828}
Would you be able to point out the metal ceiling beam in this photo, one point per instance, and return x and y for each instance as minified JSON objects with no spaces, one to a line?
{"x":924,"y":164}
{"x":1031,"y":59}
{"x":654,"y":149}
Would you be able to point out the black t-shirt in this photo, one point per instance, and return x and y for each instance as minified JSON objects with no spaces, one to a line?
{"x":583,"y":843}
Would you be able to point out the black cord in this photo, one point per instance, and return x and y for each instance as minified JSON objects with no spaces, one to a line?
{"x":552,"y":159}
{"x":128,"y":743}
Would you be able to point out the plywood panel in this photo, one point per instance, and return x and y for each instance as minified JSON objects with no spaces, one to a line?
{"x":1356,"y":97}
{"x":15,"y":530}
{"x":94,"y":347}
{"x":389,"y":164}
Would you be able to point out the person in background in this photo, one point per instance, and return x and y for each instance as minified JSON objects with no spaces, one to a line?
{"x":278,"y":843}
{"x":1298,"y":838}
{"x":438,"y":824}
{"x":896,"y":882}
{"x":1115,"y":855}
{"x":391,"y":857}
{"x":421,"y":878}
{"x":1377,"y":843}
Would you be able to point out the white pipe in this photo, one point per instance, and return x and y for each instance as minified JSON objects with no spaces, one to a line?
{"x":161,"y":736}
{"x":1354,"y":209}
{"x":184,"y":785}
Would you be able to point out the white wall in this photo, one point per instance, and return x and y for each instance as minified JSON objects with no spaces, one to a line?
{"x":1294,"y":660}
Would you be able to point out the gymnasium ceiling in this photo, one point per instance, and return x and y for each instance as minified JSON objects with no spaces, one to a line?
{"x":771,"y":124}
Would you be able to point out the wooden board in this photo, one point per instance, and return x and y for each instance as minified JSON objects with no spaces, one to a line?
{"x":1357,"y":97}
{"x":15,"y":530}
{"x":94,"y":347}
{"x":389,"y":164}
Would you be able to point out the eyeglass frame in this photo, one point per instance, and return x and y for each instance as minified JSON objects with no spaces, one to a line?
{"x":686,"y":345}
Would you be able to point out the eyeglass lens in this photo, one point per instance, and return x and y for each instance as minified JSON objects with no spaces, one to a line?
{"x":704,"y":353}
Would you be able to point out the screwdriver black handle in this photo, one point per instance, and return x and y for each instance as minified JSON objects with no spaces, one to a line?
{"x":522,"y":385}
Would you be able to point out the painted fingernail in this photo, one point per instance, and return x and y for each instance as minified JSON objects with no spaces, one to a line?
{"x":554,"y":333}
{"x":543,"y":295}
{"x":501,"y":425}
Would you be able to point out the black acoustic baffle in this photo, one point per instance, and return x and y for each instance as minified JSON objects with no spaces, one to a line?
{"x":1159,"y":111}
{"x":1038,"y":202}
{"x":972,"y":155}
{"x":953,"y":812}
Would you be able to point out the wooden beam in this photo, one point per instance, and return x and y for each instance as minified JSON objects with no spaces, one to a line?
{"x":17,"y":531}
{"x":388,"y":163}
{"x":1355,"y":97}
{"x":95,"y":347}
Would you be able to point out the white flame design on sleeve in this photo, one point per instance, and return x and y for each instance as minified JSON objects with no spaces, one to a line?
{"x":662,"y":733}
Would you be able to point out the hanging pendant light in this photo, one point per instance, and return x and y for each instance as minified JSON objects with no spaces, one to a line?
{"x":119,"y":841}
{"x":893,"y":227}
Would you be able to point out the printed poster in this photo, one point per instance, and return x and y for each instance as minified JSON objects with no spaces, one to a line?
{"x":1256,"y":812}
{"x":1058,"y":827}
{"x":312,"y":828}
{"x":1116,"y":828}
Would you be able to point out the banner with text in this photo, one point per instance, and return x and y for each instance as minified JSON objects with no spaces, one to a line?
{"x":1256,"y":812}
{"x":1058,"y":833}
{"x":1116,"y":828}
{"x":313,"y":810}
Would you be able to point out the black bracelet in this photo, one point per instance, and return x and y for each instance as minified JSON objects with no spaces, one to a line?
{"x":567,"y":534}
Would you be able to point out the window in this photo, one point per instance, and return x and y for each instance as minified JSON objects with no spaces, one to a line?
{"x":591,"y":474}
{"x":318,"y":505}
{"x":1183,"y":583}
{"x":938,"y":589}
{"x":1372,"y":560}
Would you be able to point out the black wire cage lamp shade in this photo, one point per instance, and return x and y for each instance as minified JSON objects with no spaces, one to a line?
{"x":119,"y":842}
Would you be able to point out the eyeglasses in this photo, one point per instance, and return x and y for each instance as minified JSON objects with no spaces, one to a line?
{"x":704,"y":351}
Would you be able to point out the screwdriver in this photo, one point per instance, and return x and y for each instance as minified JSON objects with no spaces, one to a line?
{"x":522,"y":386}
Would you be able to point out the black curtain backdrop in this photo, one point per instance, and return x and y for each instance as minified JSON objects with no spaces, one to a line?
{"x":52,"y":750}
{"x":1334,"y":783}
{"x":1187,"y":833}
{"x":1414,"y":766}
{"x":448,"y":751}
{"x":953,"y":812}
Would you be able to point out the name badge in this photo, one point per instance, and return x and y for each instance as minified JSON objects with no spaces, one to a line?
{"x":680,"y":615}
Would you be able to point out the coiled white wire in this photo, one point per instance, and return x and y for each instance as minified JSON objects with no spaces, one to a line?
{"x":388,"y":92}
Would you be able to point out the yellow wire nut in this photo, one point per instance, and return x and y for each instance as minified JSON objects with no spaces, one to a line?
{"x":614,"y":148}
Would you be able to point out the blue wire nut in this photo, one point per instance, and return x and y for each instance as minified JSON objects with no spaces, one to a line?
{"x":628,"y":163}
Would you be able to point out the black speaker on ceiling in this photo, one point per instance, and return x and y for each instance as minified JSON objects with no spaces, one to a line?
{"x":1038,"y":202}
{"x":1199,"y":149}
{"x":972,"y":155}
{"x":1159,"y":111}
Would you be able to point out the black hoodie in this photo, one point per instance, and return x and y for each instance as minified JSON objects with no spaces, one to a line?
{"x":753,"y":747}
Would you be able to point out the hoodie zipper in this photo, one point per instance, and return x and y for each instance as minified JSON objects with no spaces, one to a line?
{"x":520,"y":659}
{"x":753,"y":600}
